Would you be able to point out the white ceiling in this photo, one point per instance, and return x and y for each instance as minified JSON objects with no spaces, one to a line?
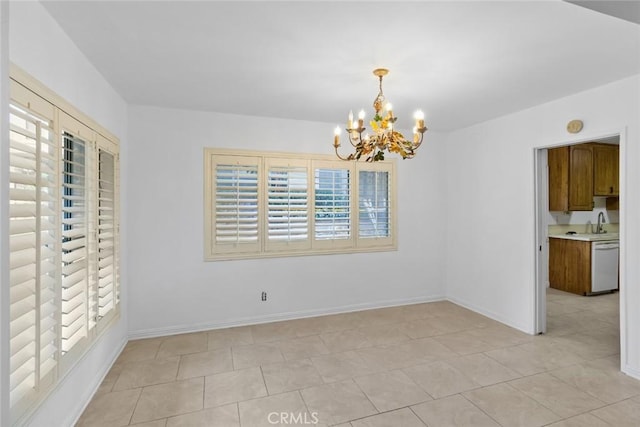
{"x":461,"y":62}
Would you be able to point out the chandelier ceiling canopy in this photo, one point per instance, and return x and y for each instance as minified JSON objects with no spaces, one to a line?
{"x":371,"y":148}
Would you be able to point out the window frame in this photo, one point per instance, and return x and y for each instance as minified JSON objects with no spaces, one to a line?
{"x":311,"y":246}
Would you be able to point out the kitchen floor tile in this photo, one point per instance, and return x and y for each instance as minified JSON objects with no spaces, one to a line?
{"x":391,"y":390}
{"x":399,"y":418}
{"x":166,"y":400}
{"x":147,"y":372}
{"x":337,"y":402}
{"x":482,"y":369}
{"x":282,"y":409}
{"x":235,"y":386}
{"x":110,"y":409}
{"x":510,"y":407}
{"x":453,"y":411}
{"x":247,"y":356}
{"x":621,"y":414}
{"x":225,"y":338}
{"x":293,"y":375}
{"x":176,"y":345}
{"x":222,"y":416}
{"x":205,"y":363}
{"x":440,"y":379}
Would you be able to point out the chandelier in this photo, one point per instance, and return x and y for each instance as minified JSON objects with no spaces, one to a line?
{"x":371,"y":148}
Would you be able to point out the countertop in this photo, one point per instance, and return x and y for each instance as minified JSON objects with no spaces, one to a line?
{"x":588,"y":237}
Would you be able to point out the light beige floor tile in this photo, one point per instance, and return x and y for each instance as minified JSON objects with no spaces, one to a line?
{"x":137,"y":350}
{"x":536,"y":357}
{"x":344,"y":321}
{"x":312,"y":326}
{"x":301,"y":348}
{"x":167,"y":400}
{"x":482,"y":369}
{"x":440,"y":379}
{"x":381,"y":316}
{"x":281,"y":409}
{"x":176,"y":345}
{"x":222,"y":416}
{"x":463,"y":343}
{"x":108,"y":382}
{"x":387,"y":358}
{"x":425,"y":327}
{"x":275,"y":331}
{"x":205,"y":363}
{"x":415,"y":312}
{"x":501,"y":336}
{"x":235,"y":386}
{"x":510,"y":407}
{"x":400,"y":418}
{"x":147,"y":372}
{"x":583,"y":420}
{"x":292,"y":375}
{"x":110,"y":409}
{"x":341,"y":366}
{"x":453,"y":411}
{"x":156,"y":423}
{"x":337,"y":402}
{"x":391,"y":390}
{"x":246,"y":356}
{"x":224,"y":338}
{"x":556,"y":395}
{"x":386,"y":334}
{"x":340,"y":341}
{"x":603,"y":383}
{"x":424,"y":350}
{"x":621,"y":414}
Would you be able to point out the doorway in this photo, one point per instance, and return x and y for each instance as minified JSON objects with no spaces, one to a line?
{"x":564,"y":313}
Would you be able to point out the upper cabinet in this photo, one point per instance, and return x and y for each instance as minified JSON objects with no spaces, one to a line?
{"x":579,"y":172}
{"x":605,"y":170}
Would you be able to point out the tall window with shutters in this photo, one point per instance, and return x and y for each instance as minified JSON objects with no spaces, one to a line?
{"x":63,"y":241}
{"x":261,"y":204}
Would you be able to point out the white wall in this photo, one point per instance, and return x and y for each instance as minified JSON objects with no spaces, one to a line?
{"x":490,"y":204}
{"x":174,"y":290}
{"x":40,"y":47}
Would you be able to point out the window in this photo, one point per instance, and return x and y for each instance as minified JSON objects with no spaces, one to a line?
{"x":260,"y":204}
{"x":63,"y":224}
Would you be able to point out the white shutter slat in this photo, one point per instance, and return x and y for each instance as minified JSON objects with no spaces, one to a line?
{"x":287,"y":203}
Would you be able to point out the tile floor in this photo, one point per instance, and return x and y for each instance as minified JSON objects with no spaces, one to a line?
{"x":433,"y":364}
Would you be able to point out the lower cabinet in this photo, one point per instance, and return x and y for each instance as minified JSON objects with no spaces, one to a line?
{"x":570,"y":265}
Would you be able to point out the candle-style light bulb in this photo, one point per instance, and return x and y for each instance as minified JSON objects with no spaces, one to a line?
{"x":415,"y":135}
{"x":350,"y":120}
{"x":361,"y":119}
{"x":336,"y":138}
{"x":389,"y":108}
{"x":419,"y":116}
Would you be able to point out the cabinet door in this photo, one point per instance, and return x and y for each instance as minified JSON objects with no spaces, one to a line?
{"x":605,"y":169}
{"x":581,"y":178}
{"x":570,"y":265}
{"x":558,"y":160}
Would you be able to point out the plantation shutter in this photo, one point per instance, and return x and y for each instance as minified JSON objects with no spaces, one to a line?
{"x":32,"y":249}
{"x":287,"y":204}
{"x":78,"y":298}
{"x":332,"y":204}
{"x":234,"y":197}
{"x":33,"y":244}
{"x":374,"y":206}
{"x":106,"y":215}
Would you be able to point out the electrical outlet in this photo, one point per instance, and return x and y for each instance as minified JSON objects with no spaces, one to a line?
{"x":264,"y":296}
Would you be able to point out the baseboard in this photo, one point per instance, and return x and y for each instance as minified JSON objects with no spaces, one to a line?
{"x":632,"y":372}
{"x":254,"y":320}
{"x":489,"y":314}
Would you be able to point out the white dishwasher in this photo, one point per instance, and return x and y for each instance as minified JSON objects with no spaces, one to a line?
{"x":604,"y":265}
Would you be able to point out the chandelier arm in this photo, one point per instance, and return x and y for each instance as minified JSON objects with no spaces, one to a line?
{"x":339,"y":156}
{"x":357,"y":141}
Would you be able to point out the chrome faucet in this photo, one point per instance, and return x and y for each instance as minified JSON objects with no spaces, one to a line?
{"x":600,"y":222}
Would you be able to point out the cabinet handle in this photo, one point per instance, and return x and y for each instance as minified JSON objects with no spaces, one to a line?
{"x":610,"y":190}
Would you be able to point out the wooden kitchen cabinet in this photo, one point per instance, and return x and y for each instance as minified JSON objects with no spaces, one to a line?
{"x":570,"y":265}
{"x":571,"y":178}
{"x":606,"y":170}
